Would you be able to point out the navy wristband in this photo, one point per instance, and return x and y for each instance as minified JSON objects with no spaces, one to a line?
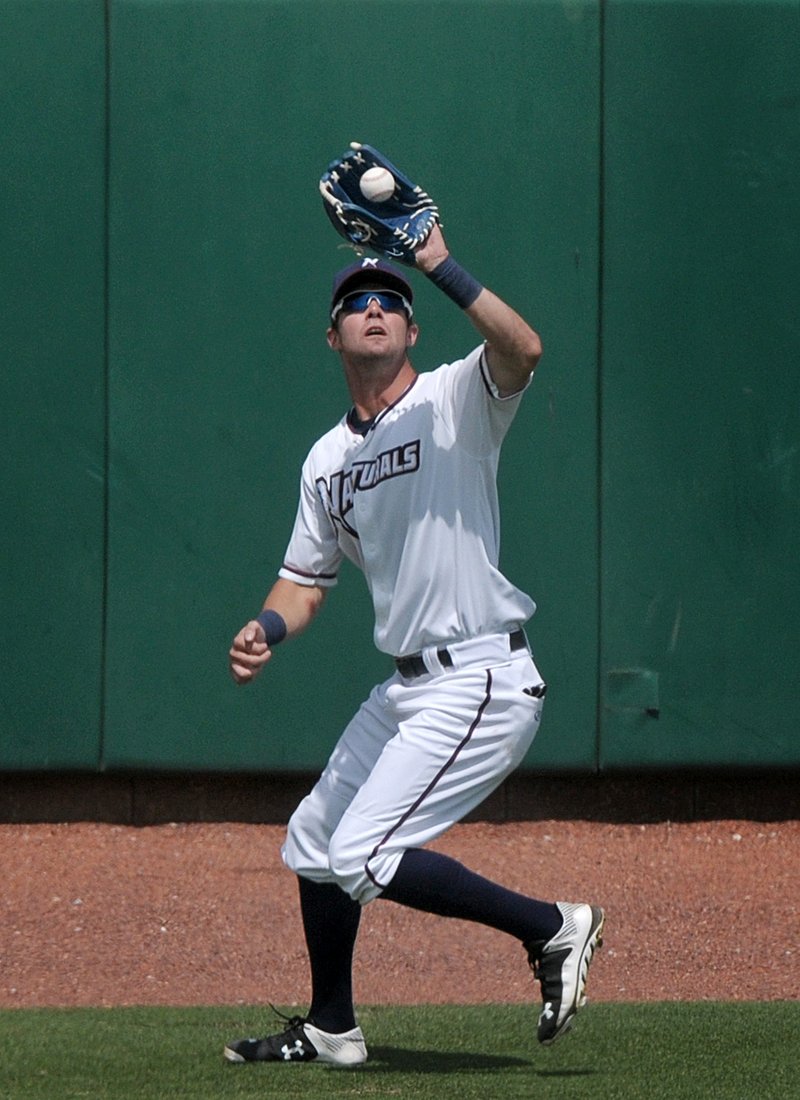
{"x":456,"y":283}
{"x":273,"y":625}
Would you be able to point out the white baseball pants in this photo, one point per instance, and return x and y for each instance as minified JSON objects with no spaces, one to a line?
{"x":416,"y":758}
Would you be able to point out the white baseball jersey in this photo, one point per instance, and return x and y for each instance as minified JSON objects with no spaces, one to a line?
{"x":413,"y":504}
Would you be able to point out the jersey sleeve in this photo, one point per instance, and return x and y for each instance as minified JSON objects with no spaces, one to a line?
{"x":313,"y":555}
{"x":476,"y":413}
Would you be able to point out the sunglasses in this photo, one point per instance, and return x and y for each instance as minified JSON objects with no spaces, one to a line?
{"x":358,"y":302}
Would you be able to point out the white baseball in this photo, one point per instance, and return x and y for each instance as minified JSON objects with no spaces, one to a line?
{"x":377,"y":184}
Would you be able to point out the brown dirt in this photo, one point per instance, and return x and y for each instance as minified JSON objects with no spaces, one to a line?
{"x":206,"y":914}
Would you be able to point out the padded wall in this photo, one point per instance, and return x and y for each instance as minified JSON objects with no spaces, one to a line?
{"x":52,"y":382}
{"x":700,"y":404}
{"x":623,"y":173}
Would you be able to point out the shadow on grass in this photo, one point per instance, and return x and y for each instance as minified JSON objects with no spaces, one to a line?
{"x":404,"y":1060}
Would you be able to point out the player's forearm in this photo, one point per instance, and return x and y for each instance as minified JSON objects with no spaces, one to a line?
{"x":513,"y":347}
{"x":288,"y":610}
{"x":297,"y":604}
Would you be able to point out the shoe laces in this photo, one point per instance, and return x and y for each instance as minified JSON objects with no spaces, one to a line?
{"x":534,"y":949}
{"x":290,"y":1022}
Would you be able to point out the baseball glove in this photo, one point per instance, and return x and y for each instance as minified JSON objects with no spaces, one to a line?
{"x":394,"y":227}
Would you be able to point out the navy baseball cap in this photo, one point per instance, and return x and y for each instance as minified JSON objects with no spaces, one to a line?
{"x":368,"y":270}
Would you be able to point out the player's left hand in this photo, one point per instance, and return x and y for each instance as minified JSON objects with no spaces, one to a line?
{"x":395,"y":226}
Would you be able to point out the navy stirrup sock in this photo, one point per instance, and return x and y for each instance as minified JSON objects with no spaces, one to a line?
{"x":330,"y":922}
{"x":438,"y":884}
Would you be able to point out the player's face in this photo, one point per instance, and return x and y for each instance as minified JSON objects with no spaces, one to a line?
{"x":372,"y":326}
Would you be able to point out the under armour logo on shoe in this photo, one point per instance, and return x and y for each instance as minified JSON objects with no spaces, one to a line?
{"x":547,"y":1012}
{"x":290,"y":1052}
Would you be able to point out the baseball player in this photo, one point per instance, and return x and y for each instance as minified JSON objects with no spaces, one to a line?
{"x":404,"y":486}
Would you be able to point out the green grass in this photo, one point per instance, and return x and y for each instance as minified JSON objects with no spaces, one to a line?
{"x":654,"y":1051}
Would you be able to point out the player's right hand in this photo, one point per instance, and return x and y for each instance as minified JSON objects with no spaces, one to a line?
{"x":249,"y":653}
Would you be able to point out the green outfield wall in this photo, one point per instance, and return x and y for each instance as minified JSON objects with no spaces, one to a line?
{"x":623,"y":173}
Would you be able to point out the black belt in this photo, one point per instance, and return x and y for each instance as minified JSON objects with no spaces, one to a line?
{"x":414,"y":665}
